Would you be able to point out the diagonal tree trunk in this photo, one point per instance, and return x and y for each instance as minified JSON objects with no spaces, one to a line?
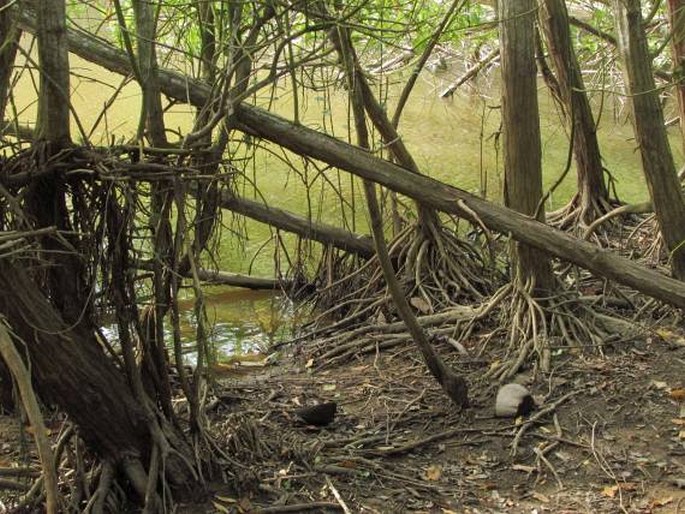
{"x":453,"y":385}
{"x":309,"y":142}
{"x":650,"y":132}
{"x":70,"y":369}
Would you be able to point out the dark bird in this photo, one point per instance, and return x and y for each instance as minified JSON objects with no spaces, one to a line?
{"x":513,"y":400}
{"x":318,"y":415}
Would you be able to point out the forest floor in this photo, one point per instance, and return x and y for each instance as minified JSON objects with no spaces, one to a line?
{"x":612,"y":443}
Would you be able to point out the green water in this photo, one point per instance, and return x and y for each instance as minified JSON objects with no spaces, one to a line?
{"x":452,"y":140}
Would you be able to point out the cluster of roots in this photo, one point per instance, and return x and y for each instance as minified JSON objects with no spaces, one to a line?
{"x":437,"y":268}
{"x":462,"y":294}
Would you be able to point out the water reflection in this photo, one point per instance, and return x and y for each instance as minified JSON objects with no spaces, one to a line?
{"x":241,"y":322}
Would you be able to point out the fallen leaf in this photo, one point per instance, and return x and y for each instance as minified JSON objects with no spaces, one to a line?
{"x":677,"y":394}
{"x":433,"y":472}
{"x":309,"y":364}
{"x":420,"y":304}
{"x":540,"y":497}
{"x":610,"y":491}
{"x":329,"y":387}
{"x":225,"y":499}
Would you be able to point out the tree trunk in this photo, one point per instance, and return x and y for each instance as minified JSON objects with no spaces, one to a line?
{"x":592,"y":193}
{"x":52,"y":123}
{"x":521,"y":126}
{"x":152,"y":115}
{"x":9,"y":40}
{"x":70,"y":370}
{"x":676,"y":18}
{"x":648,"y":119}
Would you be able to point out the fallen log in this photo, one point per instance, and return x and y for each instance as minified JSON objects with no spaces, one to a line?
{"x":284,"y":220}
{"x":305,"y":141}
{"x":226,"y":278}
{"x":239,"y":280}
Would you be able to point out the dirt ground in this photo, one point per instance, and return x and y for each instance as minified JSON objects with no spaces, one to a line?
{"x":607,"y":437}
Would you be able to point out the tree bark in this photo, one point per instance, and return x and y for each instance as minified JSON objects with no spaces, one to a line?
{"x":9,"y":40}
{"x":676,"y":19}
{"x":52,"y":122}
{"x":650,"y":133}
{"x":592,"y":192}
{"x":521,"y":127}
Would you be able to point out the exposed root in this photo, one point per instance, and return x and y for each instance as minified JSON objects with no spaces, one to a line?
{"x":580,"y":213}
{"x":535,"y":328}
{"x":438,"y":270}
{"x":640,"y":208}
{"x":440,"y":273}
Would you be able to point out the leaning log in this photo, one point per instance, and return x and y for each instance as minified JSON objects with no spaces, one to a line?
{"x":309,"y":142}
{"x":305,"y":141}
